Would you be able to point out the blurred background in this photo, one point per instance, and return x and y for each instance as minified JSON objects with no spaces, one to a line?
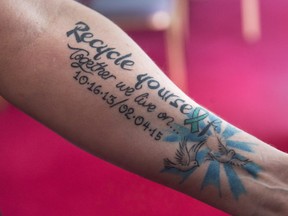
{"x":228,"y":55}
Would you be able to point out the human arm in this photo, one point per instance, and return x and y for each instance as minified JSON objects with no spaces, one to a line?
{"x":69,"y":108}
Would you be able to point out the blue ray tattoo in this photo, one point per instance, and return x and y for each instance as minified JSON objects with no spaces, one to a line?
{"x":236,"y":186}
{"x":244,"y":146}
{"x":229,"y":132}
{"x":205,"y":140}
{"x":212,"y":177}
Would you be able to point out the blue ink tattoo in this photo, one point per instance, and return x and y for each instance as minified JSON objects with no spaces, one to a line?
{"x":207,"y":141}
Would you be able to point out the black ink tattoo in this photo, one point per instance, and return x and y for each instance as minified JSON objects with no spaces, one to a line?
{"x":165,"y":95}
{"x":201,"y":136}
{"x":142,"y":100}
{"x":123,"y":108}
{"x":82,"y":35}
{"x":82,"y":61}
{"x":128,"y":91}
{"x":165,"y":117}
{"x":185,"y":158}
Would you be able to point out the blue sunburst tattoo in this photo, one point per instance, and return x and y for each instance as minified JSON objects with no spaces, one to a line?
{"x":207,"y":140}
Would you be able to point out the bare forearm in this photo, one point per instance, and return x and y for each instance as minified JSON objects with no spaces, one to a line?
{"x":83,"y":77}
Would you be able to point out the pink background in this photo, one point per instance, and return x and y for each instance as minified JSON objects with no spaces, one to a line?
{"x":43,"y":174}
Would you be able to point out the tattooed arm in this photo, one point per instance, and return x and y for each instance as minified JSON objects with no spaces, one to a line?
{"x":80,"y":75}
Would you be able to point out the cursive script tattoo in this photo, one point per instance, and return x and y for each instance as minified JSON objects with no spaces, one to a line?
{"x":82,"y":61}
{"x":201,"y":140}
{"x":164,"y":94}
{"x":83,"y":35}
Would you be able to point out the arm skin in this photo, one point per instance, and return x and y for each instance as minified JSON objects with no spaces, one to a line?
{"x":79,"y":74}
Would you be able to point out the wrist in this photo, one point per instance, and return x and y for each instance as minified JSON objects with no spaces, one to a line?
{"x":273,"y":186}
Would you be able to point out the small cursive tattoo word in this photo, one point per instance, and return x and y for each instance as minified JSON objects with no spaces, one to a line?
{"x":82,"y":61}
{"x":83,"y":35}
